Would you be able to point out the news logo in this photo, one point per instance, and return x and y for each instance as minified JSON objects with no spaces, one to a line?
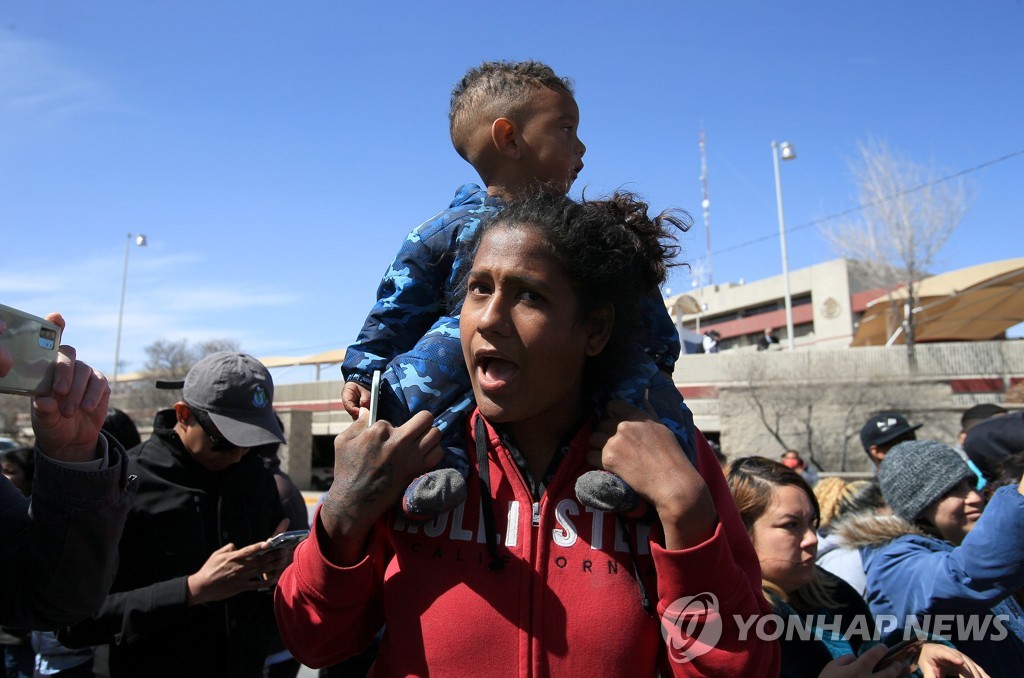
{"x":691,"y":626}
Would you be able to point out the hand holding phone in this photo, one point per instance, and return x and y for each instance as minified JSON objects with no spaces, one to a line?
{"x":67,"y":421}
{"x":286,"y":540}
{"x":30,"y":345}
{"x":901,"y":652}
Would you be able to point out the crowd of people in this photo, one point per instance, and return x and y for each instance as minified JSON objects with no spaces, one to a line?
{"x":535,"y":498}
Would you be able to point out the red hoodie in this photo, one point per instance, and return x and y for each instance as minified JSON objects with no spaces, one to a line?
{"x":566,"y":601}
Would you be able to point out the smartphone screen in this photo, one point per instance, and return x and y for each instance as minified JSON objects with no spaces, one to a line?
{"x":32,"y":343}
{"x":901,"y":651}
{"x":374,"y":396}
{"x":287,"y":540}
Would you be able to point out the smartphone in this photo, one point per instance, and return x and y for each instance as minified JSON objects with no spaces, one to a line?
{"x":33,"y":344}
{"x":900,"y":652}
{"x":286,"y":540}
{"x":374,"y":397}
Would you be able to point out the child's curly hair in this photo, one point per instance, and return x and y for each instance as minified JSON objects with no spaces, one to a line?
{"x":611,"y":250}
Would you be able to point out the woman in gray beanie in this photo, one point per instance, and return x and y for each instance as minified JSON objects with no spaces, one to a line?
{"x":940,"y":562}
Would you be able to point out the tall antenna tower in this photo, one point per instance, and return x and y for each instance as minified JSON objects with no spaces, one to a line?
{"x":705,"y":203}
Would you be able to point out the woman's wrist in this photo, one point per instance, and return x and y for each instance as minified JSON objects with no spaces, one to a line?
{"x":345,"y":532}
{"x":688,"y":519}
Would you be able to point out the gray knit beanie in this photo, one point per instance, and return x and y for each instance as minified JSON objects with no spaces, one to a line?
{"x":917,"y":473}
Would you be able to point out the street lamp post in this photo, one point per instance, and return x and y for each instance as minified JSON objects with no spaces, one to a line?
{"x":788,"y":153}
{"x":140,"y":241}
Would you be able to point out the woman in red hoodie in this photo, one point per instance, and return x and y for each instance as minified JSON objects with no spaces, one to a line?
{"x":522,"y":578}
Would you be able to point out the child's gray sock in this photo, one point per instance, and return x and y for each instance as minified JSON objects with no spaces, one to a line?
{"x":433,"y":493}
{"x":607,"y":492}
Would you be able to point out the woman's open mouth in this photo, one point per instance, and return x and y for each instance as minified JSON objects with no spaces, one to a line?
{"x":494,"y":372}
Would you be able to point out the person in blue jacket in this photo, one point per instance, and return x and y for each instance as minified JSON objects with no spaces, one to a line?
{"x":944,"y":559}
{"x":516,"y":124}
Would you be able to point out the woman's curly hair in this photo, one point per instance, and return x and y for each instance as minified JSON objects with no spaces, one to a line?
{"x":612,"y":251}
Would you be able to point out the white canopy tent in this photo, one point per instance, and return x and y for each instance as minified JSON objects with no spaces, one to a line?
{"x":976,"y":303}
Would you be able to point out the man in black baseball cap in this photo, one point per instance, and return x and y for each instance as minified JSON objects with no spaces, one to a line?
{"x":192,"y":594}
{"x":884,"y":431}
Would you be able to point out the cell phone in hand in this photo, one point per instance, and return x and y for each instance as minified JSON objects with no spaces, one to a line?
{"x":32,"y":343}
{"x":901,"y":652}
{"x":374,"y":397}
{"x":286,"y":540}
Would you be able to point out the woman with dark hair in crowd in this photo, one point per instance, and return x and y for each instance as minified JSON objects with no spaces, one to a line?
{"x":781,"y":514}
{"x":522,"y":579}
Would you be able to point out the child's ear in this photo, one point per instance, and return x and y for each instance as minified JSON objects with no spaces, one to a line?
{"x":503,"y":134}
{"x":599,"y":329}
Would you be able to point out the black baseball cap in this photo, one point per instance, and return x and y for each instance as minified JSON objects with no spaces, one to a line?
{"x":995,"y":440}
{"x":236,"y":390}
{"x":979,"y":413}
{"x":883,"y":428}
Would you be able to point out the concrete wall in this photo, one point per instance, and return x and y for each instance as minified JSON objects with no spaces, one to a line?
{"x":816,"y":401}
{"x":825,"y":422}
{"x":296,"y":455}
{"x":830,"y":299}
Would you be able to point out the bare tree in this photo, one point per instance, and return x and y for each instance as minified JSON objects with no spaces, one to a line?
{"x":167,"y":360}
{"x":908,"y":216}
{"x":821,"y":419}
{"x":173,"y":359}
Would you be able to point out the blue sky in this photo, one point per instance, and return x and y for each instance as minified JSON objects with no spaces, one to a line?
{"x":276,"y":153}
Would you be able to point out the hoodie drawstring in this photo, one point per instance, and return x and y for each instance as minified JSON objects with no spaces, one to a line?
{"x":627,"y":534}
{"x":484,"y":471}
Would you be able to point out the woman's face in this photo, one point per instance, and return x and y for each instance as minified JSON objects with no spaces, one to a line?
{"x":785,"y":539}
{"x":522,"y":339}
{"x":956,"y":513}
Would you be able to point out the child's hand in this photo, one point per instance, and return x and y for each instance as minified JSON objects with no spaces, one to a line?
{"x":353,"y":396}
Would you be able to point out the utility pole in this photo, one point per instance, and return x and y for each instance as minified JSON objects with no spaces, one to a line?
{"x":705,"y":203}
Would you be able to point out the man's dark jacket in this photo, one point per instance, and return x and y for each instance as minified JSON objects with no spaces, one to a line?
{"x":182,"y":514}
{"x":57,"y":559}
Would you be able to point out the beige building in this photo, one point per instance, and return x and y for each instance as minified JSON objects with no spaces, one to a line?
{"x":827,"y":300}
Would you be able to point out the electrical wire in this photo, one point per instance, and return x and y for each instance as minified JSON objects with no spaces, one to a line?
{"x":863,"y":206}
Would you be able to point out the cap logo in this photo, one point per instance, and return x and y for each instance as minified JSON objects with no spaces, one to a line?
{"x":259,"y":397}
